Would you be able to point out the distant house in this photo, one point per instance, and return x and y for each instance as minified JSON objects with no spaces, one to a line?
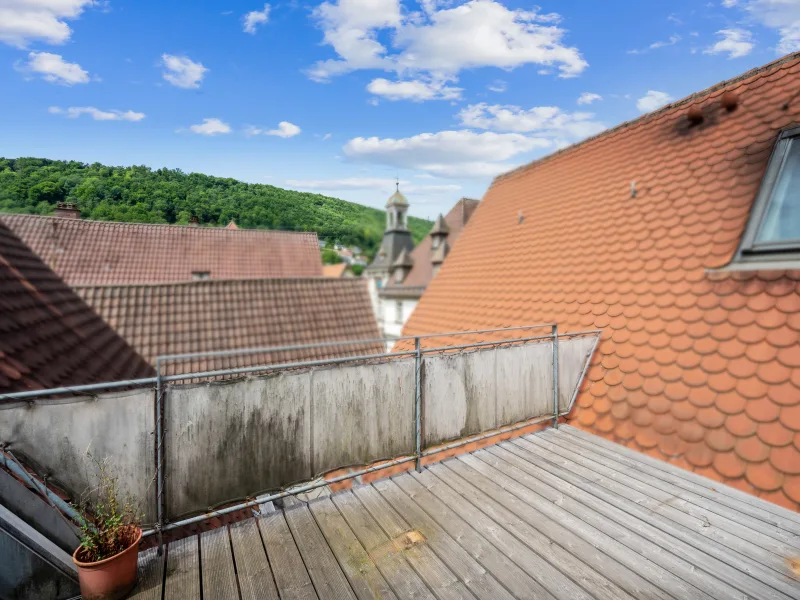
{"x":101,"y":252}
{"x":678,"y":236}
{"x":49,"y":337}
{"x":201,"y":316}
{"x":338,"y":270}
{"x":400,"y":273}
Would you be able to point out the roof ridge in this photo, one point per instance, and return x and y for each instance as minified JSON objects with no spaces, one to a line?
{"x":214,"y":281}
{"x":648,"y":116}
{"x":156,"y":225}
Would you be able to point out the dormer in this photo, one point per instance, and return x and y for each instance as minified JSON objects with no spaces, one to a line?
{"x":401,"y":267}
{"x":439,"y":233}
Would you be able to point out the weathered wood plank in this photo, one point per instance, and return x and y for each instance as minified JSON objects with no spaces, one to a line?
{"x":524,"y":573}
{"x":287,"y":565}
{"x":360,"y":570}
{"x":150,"y":572}
{"x":255,"y":576}
{"x":439,"y":578}
{"x":542,"y":564}
{"x":610,"y":542}
{"x":655,"y":507}
{"x":183,"y":570}
{"x":713,"y":490}
{"x":768,"y":537}
{"x":329,"y":581}
{"x":453,"y":553}
{"x":391,"y":562}
{"x":567,"y":479}
{"x":530,"y":525}
{"x":216,"y":565}
{"x":633,"y":535}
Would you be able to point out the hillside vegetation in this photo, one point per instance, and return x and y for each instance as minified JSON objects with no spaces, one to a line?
{"x":143,"y":195}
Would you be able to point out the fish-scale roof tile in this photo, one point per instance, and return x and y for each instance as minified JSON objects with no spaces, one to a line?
{"x":710,"y":354}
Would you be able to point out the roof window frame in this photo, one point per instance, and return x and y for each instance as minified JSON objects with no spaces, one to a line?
{"x":751,"y":251}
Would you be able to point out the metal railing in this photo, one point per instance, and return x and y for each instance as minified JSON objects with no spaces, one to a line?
{"x":419,"y":453}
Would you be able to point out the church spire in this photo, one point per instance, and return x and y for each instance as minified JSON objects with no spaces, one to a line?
{"x":396,"y":208}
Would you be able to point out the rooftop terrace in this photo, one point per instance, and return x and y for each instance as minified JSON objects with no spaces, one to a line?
{"x":555,"y":514}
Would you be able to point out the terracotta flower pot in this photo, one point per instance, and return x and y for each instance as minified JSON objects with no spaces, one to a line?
{"x":112,"y":578}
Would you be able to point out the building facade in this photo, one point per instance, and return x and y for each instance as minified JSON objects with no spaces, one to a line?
{"x":400,"y":273}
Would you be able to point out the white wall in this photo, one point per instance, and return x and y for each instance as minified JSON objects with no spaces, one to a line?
{"x":391,"y":325}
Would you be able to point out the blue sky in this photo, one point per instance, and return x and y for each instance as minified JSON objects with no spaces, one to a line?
{"x":341,"y":96}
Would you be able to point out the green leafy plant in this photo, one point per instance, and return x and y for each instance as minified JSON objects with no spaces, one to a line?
{"x":111,"y":521}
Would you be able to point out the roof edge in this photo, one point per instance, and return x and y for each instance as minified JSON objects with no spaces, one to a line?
{"x":134,"y":224}
{"x":646,"y":117}
{"x":317,"y":278}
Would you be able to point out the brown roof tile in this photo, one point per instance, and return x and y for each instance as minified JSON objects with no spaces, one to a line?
{"x":204,"y":316}
{"x":718,"y":350}
{"x":49,"y":337}
{"x":100,"y":252}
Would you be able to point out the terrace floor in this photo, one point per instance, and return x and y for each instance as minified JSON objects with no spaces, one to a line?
{"x":555,"y":514}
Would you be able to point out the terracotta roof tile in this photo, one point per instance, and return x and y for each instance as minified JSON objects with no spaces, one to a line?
{"x":49,"y":337}
{"x":100,"y":252}
{"x":203,"y":316}
{"x":718,"y":348}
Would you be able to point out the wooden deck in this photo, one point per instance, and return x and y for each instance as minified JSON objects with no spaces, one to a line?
{"x":556,"y":514}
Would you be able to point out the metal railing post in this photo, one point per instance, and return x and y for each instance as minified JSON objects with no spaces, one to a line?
{"x":159,"y":459}
{"x":555,"y":376}
{"x":418,"y":405}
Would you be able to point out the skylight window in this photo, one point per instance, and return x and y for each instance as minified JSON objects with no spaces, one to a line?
{"x":773,"y":232}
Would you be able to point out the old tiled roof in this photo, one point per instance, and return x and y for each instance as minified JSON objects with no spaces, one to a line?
{"x":697,"y":366}
{"x":102,"y":252}
{"x":49,"y":337}
{"x":422,"y":272}
{"x":336,"y":270}
{"x":204,"y":316}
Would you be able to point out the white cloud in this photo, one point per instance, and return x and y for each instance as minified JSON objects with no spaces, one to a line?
{"x":729,"y":3}
{"x":327,"y":136}
{"x":53,"y":68}
{"x":440,"y":41}
{"x":548,"y":122}
{"x":415,"y":90}
{"x":284,"y":130}
{"x":370,"y":183}
{"x":783,"y":15}
{"x":211,"y":127}
{"x":73,"y":112}
{"x":182,"y":71}
{"x":254,"y":18}
{"x":653,"y":100}
{"x":454,"y":154}
{"x":588,"y":98}
{"x":25,"y":21}
{"x":673,"y":39}
{"x":735,"y":42}
{"x":498,"y":85}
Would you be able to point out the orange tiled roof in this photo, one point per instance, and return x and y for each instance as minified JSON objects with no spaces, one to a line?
{"x":103,"y":252}
{"x":696,"y":366}
{"x":336,"y":270}
{"x":206,"y":316}
{"x":49,"y":337}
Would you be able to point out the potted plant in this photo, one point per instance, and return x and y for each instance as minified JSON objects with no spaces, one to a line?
{"x":108,"y":553}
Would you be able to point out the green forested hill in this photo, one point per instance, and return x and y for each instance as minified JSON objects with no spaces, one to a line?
{"x":144,"y":195}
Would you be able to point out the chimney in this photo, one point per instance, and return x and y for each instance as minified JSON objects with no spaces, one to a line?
{"x":194,"y":221}
{"x":67,"y":210}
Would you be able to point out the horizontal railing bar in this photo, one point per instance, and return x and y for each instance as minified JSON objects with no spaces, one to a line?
{"x":87,"y":387}
{"x":299,"y":490}
{"x":308,"y":363}
{"x":488,"y":434}
{"x":268,"y":349}
{"x":151,"y":380}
